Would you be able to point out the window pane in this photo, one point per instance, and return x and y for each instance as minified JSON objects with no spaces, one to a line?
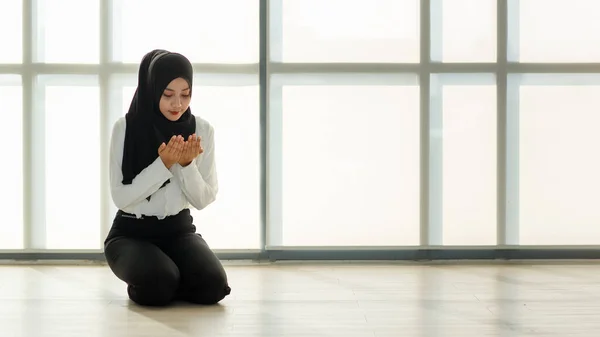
{"x":559,"y":31}
{"x":11,"y":20}
{"x":11,"y":198}
{"x":72,"y":167}
{"x":558,"y":168}
{"x":224,"y":31}
{"x":350,"y":166}
{"x":468,"y":31}
{"x":469,"y":164}
{"x":350,"y":31}
{"x":71,"y":39}
{"x":234,"y":113}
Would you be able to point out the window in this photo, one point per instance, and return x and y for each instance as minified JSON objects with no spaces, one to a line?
{"x":467,"y":116}
{"x":11,"y":24}
{"x":72,"y":162}
{"x":347,"y":31}
{"x":349,"y":165}
{"x":207,"y":31}
{"x":375,"y":135}
{"x":558,"y":169}
{"x":11,"y":198}
{"x":556,"y":31}
{"x":70,"y":39}
{"x":467,"y":32}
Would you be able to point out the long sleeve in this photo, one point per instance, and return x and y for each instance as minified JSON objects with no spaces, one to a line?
{"x":198,"y":180}
{"x":144,"y":184}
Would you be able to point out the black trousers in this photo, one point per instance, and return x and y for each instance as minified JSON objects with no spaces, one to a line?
{"x":164,"y":260}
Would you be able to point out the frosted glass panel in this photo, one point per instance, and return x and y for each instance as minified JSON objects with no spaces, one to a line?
{"x":11,"y":198}
{"x":559,"y":31}
{"x":72,"y":167}
{"x":350,"y":31}
{"x":558,"y":165}
{"x":469,"y":164}
{"x":68,"y":31}
{"x":350,"y":165}
{"x":468,"y":30}
{"x":224,"y":31}
{"x":11,"y":26}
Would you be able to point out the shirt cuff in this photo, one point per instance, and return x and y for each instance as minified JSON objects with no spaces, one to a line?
{"x":162,"y":170}
{"x":191,"y":169}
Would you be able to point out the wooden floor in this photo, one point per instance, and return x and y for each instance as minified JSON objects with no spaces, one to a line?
{"x":302,"y":299}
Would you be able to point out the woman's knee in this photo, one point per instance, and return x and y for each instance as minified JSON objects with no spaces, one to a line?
{"x":208,"y":296}
{"x":152,"y":277}
{"x":155,"y":287}
{"x":209,"y":288}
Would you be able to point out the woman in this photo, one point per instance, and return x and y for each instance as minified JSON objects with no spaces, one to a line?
{"x":162,"y":160}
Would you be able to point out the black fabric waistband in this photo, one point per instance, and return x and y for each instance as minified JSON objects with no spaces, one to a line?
{"x":151,"y":227}
{"x":123,"y":214}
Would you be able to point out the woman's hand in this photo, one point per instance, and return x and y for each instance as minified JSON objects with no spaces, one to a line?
{"x":171,"y":153}
{"x":191,"y":149}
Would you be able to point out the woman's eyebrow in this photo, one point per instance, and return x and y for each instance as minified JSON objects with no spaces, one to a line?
{"x":169,"y":89}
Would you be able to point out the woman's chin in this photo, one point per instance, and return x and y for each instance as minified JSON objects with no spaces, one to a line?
{"x":172,"y":117}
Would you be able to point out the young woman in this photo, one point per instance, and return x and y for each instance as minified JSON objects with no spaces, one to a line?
{"x":162,"y":160}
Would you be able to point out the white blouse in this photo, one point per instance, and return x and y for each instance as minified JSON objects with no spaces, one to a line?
{"x":195,"y":184}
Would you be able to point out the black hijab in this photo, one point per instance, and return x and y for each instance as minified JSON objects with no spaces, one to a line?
{"x":146,"y":126}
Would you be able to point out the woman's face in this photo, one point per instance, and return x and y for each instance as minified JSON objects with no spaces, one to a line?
{"x":175,"y":99}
